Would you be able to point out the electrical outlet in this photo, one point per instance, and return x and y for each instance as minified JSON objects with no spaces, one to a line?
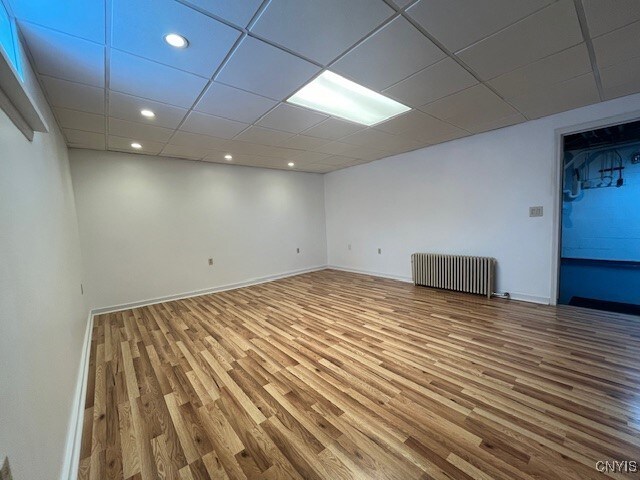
{"x":536,"y":211}
{"x":211,"y":261}
{"x":5,"y":473}
{"x":297,"y":250}
{"x":379,"y":251}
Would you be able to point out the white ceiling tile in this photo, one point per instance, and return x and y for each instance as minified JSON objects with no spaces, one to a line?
{"x":334,"y":129}
{"x":459,"y":23}
{"x":318,"y":168}
{"x":320,"y":30}
{"x":340,"y":161}
{"x":621,"y":79}
{"x":291,"y":119}
{"x":266,"y":70}
{"x":380,"y":140}
{"x":82,"y":139}
{"x":434,"y":82}
{"x":147,"y":79}
{"x":573,"y":93}
{"x":447,"y":137}
{"x":401,"y":150}
{"x":123,"y":144}
{"x":392,"y":54}
{"x":604,"y":16}
{"x":281,"y":152}
{"x":80,"y":19}
{"x":64,"y":56}
{"x":76,"y":120}
{"x":205,"y":124}
{"x":473,"y":106}
{"x":364,"y":153}
{"x":245,"y":148}
{"x":304,"y":142}
{"x":235,"y":11}
{"x":418,"y":126}
{"x":548,"y":31}
{"x":494,"y":124}
{"x":618,"y":46}
{"x":128,"y":107}
{"x":567,"y":64}
{"x":186,"y":139}
{"x":229,"y":102}
{"x":139,"y":131}
{"x":308,"y":157}
{"x":180,"y":151}
{"x":333,"y":148}
{"x":336,"y":148}
{"x":263,"y":135}
{"x":235,"y":147}
{"x":75,"y":96}
{"x":362,"y":138}
{"x":139,"y":27}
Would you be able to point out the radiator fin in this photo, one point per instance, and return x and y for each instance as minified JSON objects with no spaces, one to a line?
{"x":454,"y":272}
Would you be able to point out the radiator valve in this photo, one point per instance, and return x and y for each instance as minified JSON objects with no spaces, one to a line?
{"x":506,"y":295}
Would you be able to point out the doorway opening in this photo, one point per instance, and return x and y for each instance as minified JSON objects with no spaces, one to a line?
{"x":600,"y":227}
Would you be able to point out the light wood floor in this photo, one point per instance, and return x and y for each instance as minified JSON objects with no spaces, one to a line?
{"x":335,"y":375}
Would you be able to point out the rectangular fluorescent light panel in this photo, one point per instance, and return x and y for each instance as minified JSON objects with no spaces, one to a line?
{"x":335,"y":95}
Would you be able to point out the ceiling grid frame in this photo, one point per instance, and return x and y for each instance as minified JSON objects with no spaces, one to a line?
{"x":306,"y":143}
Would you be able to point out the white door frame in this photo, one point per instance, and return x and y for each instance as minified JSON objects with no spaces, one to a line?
{"x":559,"y":183}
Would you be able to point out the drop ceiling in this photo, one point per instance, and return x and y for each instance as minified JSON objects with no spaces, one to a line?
{"x":464,"y":66}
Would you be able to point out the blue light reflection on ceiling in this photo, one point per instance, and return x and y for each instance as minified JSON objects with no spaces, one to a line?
{"x":9,"y":40}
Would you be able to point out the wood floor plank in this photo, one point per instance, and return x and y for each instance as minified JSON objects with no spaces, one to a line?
{"x":333,"y":375}
{"x":128,"y":441}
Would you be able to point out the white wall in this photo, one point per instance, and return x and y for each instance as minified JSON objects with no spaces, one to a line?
{"x":468,"y":196}
{"x":42,"y":316}
{"x":149,"y":224}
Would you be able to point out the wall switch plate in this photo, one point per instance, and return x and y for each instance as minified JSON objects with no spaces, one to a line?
{"x":5,"y":472}
{"x":379,"y":251}
{"x":211,"y":261}
{"x":536,"y":211}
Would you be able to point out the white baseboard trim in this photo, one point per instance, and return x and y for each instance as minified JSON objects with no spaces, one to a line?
{"x":373,"y":274}
{"x":206,"y":291}
{"x":74,"y":433}
{"x":524,"y":297}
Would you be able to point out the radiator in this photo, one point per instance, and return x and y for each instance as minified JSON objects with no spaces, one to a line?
{"x":455,"y":272}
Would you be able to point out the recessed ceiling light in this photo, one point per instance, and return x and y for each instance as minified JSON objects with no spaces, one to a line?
{"x":291,"y":164}
{"x":136,"y":145}
{"x":147,"y":113}
{"x":175,"y":40}
{"x":330,"y":93}
{"x":228,"y":157}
